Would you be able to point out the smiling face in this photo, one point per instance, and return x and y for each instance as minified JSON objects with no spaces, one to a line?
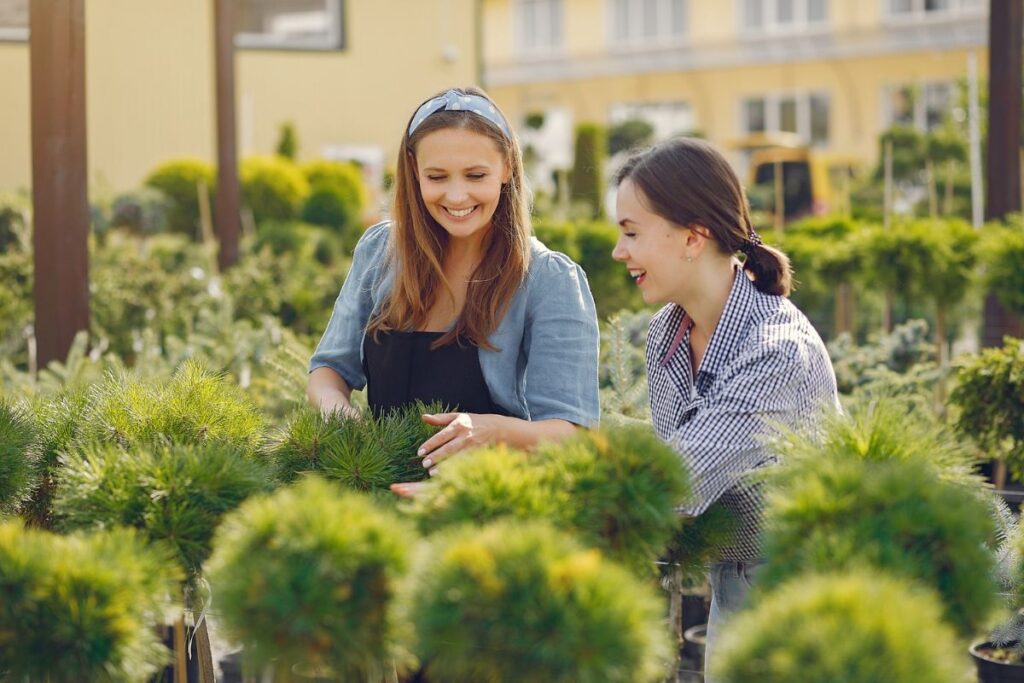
{"x":460,"y":174}
{"x":653,"y":248}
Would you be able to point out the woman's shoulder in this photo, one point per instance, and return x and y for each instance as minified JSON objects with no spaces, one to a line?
{"x":374,"y":239}
{"x":547,"y":264}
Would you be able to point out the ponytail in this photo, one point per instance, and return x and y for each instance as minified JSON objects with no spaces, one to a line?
{"x":770,"y":267}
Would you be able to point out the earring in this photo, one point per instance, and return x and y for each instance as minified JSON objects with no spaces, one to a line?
{"x":689,"y":259}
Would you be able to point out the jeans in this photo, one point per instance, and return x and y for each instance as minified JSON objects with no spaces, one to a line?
{"x":730,"y":582}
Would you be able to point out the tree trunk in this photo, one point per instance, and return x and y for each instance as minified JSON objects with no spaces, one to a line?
{"x":887,"y":312}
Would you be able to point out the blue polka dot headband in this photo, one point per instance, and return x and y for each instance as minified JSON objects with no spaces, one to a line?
{"x":456,"y":101}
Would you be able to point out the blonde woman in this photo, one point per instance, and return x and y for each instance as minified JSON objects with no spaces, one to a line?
{"x":453,"y":300}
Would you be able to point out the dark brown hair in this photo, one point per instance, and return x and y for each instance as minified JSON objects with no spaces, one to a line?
{"x":689,"y":182}
{"x":418,"y":243}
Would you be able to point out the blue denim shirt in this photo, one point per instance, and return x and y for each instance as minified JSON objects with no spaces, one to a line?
{"x":545,"y":365}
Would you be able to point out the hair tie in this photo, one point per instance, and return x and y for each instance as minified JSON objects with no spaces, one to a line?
{"x":749,"y":244}
{"x":453,"y":100}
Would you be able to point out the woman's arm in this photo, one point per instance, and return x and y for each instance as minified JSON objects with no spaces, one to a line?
{"x":466,"y":430}
{"x":328,"y":392}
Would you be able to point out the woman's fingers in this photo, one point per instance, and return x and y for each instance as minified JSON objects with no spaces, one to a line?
{"x":407,"y":489}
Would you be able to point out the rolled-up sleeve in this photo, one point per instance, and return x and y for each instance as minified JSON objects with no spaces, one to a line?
{"x":339,"y":347}
{"x":561,"y":343}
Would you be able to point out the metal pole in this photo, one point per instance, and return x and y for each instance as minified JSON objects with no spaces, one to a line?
{"x":60,"y":194}
{"x":977,"y":201}
{"x":228,"y":200}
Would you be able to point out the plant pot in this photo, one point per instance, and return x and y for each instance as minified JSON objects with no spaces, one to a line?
{"x":694,"y":640}
{"x":994,"y":671}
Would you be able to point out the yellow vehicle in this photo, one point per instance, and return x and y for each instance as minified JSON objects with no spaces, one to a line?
{"x":812,"y":182}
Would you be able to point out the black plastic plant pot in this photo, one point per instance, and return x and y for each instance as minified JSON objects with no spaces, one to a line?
{"x":992,"y":670}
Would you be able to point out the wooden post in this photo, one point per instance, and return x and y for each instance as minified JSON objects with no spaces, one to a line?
{"x":780,"y":197}
{"x":887,"y":196}
{"x":60,"y":195}
{"x":1003,"y":177}
{"x":227,"y":203}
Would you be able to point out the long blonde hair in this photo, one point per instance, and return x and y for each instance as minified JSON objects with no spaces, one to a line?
{"x":418,"y":243}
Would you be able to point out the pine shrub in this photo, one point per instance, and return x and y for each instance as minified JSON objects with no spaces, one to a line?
{"x":178,"y":180}
{"x":522,"y":602}
{"x":194,"y":406}
{"x":308,"y":575}
{"x":364,"y":453}
{"x":617,"y":489}
{"x":273,"y":188}
{"x":586,"y":181}
{"x":81,"y":607}
{"x":19,"y":456}
{"x":176,"y":493}
{"x":855,"y":628}
{"x":897,"y":516}
{"x":58,"y":420}
{"x":697,"y":543}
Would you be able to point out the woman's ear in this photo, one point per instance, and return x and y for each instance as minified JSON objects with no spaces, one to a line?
{"x":697,"y":238}
{"x":506,"y":176}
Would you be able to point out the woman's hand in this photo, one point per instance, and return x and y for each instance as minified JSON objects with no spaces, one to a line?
{"x":460,"y":431}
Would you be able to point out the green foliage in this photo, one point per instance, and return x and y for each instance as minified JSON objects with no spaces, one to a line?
{"x":308,"y":576}
{"x":326,"y":205}
{"x":364,"y":453}
{"x":80,"y":608}
{"x":13,"y":229}
{"x":896,"y":515}
{"x":628,"y":135}
{"x":195,"y":406}
{"x":590,"y":244}
{"x":856,"y":628}
{"x":1002,"y":253}
{"x":990,"y":395}
{"x":16,"y":307}
{"x":174,"y":493}
{"x":287,"y":142}
{"x":698,"y":542}
{"x":144,"y":211}
{"x":886,"y":359}
{"x":273,"y":188}
{"x":345,"y":177}
{"x":178,"y":180}
{"x":19,"y":456}
{"x":616,"y":489}
{"x":623,"y":373}
{"x":586,"y":179}
{"x":523,"y":602}
{"x":908,"y":148}
{"x":57,"y":419}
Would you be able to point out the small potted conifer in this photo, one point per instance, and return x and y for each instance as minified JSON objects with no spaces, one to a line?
{"x":305,"y":580}
{"x":860,"y":627}
{"x":522,"y":601}
{"x":81,"y":607}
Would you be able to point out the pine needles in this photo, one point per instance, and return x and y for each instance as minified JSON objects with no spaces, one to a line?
{"x":363,"y":454}
{"x":19,"y":457}
{"x":81,"y":608}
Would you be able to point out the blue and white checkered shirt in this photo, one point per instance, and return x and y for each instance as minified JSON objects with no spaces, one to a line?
{"x":765,"y":365}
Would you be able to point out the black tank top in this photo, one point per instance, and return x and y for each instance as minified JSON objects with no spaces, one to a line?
{"x":402,"y":368}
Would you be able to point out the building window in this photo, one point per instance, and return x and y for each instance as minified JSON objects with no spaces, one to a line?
{"x":666,"y":118}
{"x":925,"y":107}
{"x":640,"y":23}
{"x":759,"y":17}
{"x":290,"y":24}
{"x":805,"y":114}
{"x":13,"y":20}
{"x":918,"y":9}
{"x":540,"y":25}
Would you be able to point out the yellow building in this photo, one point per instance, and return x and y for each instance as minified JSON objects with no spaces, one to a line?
{"x":834,"y":72}
{"x":347,"y":73}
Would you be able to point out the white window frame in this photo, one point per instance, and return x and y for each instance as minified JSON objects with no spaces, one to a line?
{"x":919,"y":111}
{"x":335,"y":39}
{"x":918,"y":13}
{"x":771,"y":25}
{"x":635,"y":38}
{"x":557,"y":44}
{"x":772,"y":103}
{"x":649,"y":110}
{"x":14,"y":34}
